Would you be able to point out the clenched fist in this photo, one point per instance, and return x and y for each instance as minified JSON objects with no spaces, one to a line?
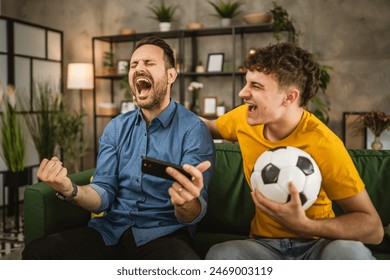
{"x":55,"y":175}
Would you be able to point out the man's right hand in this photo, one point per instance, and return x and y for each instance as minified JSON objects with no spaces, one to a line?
{"x":55,"y":175}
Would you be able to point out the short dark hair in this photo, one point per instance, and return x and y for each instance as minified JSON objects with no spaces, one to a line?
{"x":169,"y":56}
{"x":290,"y":64}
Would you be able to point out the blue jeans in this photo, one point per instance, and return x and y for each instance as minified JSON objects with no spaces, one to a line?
{"x":289,"y":249}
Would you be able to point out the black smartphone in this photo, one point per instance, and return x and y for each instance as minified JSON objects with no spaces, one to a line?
{"x":157,"y":168}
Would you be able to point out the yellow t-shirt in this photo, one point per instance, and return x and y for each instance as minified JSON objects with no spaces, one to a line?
{"x":340,"y":179}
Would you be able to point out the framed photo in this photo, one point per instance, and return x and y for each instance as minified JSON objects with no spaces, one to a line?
{"x":353,"y":137}
{"x":127,"y":106}
{"x":215,"y":62}
{"x":209,"y":106}
{"x":123,"y":67}
{"x":384,"y":138}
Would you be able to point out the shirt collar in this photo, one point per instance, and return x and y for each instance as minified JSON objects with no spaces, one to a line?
{"x":164,"y":117}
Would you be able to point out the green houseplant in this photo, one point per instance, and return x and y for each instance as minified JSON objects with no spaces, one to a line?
{"x":13,"y":140}
{"x":13,"y":148}
{"x":163,"y":14}
{"x":108,"y":63}
{"x":226,"y":10}
{"x":68,"y":136}
{"x":283,"y":23}
{"x":43,"y":124}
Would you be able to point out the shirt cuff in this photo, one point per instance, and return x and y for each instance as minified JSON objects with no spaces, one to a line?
{"x":103,"y":196}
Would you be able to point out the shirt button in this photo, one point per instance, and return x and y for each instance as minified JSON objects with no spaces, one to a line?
{"x":137,"y":180}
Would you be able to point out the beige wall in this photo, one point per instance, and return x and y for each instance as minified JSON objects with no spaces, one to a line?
{"x":352,"y":36}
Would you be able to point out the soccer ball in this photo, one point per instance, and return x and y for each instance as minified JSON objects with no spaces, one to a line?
{"x":275,"y":168}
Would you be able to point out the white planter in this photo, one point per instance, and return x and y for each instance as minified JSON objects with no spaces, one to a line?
{"x":220,"y":110}
{"x":225,"y":22}
{"x":165,"y":26}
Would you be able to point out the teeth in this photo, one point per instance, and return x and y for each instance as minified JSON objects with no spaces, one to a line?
{"x":252,"y":106}
{"x":142,"y":80}
{"x":143,"y":83}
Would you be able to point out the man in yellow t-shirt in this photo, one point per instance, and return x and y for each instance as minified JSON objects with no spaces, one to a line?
{"x":280,"y":81}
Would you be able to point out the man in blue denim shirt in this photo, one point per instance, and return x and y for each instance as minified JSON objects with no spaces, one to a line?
{"x":145,"y":217}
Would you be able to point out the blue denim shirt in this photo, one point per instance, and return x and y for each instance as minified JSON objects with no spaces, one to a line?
{"x":133,"y":199}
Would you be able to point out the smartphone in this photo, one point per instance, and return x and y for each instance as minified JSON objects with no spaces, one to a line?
{"x":157,"y":168}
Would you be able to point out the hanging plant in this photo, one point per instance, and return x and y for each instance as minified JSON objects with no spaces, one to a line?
{"x":282,"y":22}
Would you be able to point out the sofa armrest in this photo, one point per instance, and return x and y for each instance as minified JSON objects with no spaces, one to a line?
{"x":44,"y":213}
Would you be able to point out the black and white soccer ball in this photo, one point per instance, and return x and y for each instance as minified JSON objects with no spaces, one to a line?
{"x":275,"y":168}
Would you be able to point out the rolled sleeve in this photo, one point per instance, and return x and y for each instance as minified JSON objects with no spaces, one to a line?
{"x":103,"y":196}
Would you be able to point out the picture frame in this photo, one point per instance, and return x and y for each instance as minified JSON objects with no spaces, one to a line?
{"x":215,"y":62}
{"x":209,"y":105}
{"x":127,"y":106}
{"x":384,"y":138}
{"x":353,"y":138}
{"x":123,"y":67}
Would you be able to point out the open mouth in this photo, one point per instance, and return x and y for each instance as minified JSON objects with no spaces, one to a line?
{"x":143,"y":83}
{"x":251,"y":107}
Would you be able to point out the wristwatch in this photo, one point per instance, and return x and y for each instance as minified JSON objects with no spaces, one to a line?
{"x":72,"y":195}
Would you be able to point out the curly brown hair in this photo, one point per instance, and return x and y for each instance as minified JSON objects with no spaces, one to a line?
{"x":290,"y":64}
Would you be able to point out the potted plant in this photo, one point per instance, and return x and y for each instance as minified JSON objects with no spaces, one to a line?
{"x":377,"y":122}
{"x":282,"y":23}
{"x":124,"y":84}
{"x":164,"y":15}
{"x":108,"y":63}
{"x":42,"y":125}
{"x":195,"y":88}
{"x":226,"y":10}
{"x":221,"y":109}
{"x":13,"y":141}
{"x":13,"y":147}
{"x":68,"y":136}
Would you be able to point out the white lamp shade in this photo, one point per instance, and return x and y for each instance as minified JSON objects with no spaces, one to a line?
{"x":80,"y":76}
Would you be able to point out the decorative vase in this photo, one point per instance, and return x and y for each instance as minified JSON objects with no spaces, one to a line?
{"x":195,"y":102}
{"x":376,"y":144}
{"x":165,"y":26}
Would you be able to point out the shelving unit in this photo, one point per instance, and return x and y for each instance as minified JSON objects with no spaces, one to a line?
{"x":187,"y":43}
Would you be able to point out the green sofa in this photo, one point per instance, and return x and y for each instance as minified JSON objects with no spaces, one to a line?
{"x":230,"y":208}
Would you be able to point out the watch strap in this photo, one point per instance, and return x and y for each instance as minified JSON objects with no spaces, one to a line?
{"x":72,"y":195}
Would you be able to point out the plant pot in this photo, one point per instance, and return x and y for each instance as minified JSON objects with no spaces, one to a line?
{"x":220,"y":110}
{"x":225,"y":22}
{"x":14,"y":180}
{"x":109,"y":70}
{"x":165,"y":26}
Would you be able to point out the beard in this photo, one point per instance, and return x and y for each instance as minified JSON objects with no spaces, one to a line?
{"x":156,"y":94}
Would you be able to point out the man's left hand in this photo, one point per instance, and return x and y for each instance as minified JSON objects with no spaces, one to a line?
{"x":184,"y":192}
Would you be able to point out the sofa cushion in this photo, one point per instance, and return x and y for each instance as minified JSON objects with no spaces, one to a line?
{"x":374,"y":169}
{"x":230,"y":206}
